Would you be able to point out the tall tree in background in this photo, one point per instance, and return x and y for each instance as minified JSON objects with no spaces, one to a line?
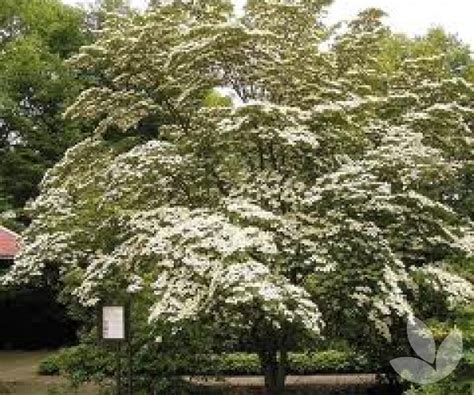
{"x":35,"y":88}
{"x":96,"y":12}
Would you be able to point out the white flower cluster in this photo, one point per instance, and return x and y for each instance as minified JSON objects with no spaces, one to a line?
{"x":457,"y":289}
{"x":248,"y":210}
{"x":248,"y":282}
{"x":147,"y":167}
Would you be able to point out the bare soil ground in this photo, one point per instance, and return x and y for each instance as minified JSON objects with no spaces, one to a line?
{"x":18,"y":376}
{"x":365,"y":380}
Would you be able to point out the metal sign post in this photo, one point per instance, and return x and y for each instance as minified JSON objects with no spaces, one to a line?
{"x":114,"y":327}
{"x":129,"y":350}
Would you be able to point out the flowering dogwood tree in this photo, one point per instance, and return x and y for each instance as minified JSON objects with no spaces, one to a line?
{"x":317,"y":205}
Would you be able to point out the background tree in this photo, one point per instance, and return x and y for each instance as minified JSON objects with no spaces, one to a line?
{"x":96,"y":12}
{"x":35,"y":89}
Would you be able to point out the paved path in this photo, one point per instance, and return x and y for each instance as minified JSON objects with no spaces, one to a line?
{"x":291,"y":381}
{"x":18,"y":375}
{"x":18,"y":366}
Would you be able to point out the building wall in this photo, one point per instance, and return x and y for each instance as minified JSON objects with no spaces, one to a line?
{"x":9,"y":243}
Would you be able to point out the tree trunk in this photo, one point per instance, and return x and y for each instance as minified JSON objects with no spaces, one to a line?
{"x":274,"y":365}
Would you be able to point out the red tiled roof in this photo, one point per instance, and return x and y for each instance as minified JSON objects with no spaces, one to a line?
{"x":8,"y":243}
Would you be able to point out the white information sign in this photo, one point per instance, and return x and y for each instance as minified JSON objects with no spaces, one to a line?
{"x":113,"y":322}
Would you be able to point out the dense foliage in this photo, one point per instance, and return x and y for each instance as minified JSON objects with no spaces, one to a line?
{"x":333,"y":198}
{"x":35,"y":88}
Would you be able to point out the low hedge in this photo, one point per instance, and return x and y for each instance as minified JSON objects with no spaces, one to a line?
{"x":320,"y":362}
{"x":86,"y":363}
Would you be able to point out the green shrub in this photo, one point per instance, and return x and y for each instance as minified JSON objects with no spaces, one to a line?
{"x":80,"y":364}
{"x":49,"y":366}
{"x":87,"y":363}
{"x":237,"y":364}
{"x":445,"y":387}
{"x":329,"y":361}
